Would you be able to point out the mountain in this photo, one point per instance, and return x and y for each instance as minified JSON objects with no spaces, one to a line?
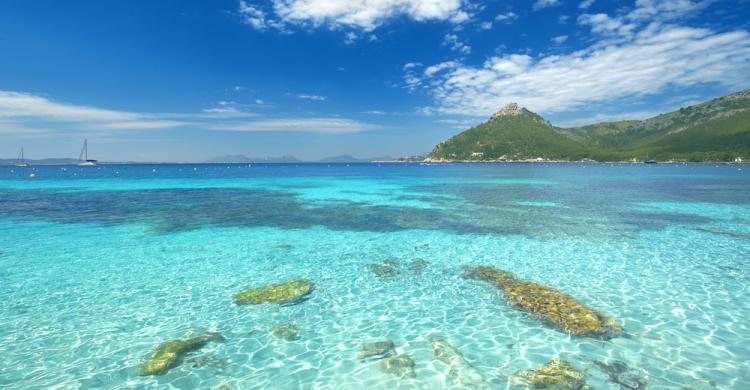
{"x":716,"y":130}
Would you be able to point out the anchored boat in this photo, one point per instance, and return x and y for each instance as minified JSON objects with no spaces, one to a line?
{"x":84,"y":156}
{"x":21,"y":161}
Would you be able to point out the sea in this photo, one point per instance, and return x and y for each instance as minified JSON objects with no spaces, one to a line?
{"x":99,"y":266}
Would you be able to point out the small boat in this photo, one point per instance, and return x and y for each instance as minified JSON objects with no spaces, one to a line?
{"x":84,"y":156}
{"x":650,"y":162}
{"x":21,"y":161}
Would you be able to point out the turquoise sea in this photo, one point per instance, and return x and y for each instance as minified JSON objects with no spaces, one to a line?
{"x":98,"y":266}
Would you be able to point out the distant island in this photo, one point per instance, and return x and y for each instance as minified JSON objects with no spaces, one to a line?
{"x":716,"y":130}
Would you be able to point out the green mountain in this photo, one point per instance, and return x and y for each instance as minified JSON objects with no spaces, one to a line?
{"x":716,"y":130}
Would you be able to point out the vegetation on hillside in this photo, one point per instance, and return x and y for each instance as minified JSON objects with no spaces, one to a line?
{"x":716,"y":130}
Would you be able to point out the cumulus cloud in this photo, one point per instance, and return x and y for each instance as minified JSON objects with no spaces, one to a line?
{"x":638,"y":52}
{"x":560,"y":39}
{"x":650,"y":62}
{"x":506,"y":18}
{"x":585,"y":4}
{"x":366,"y":15}
{"x":541,"y":4}
{"x":306,"y":125}
{"x":452,"y":41}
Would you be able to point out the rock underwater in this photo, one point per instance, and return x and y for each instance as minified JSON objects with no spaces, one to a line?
{"x":548,"y":305}
{"x":167,"y":355}
{"x":286,"y":331}
{"x":401,"y":366}
{"x":383,"y":271}
{"x":555,"y":374}
{"x":287,"y":292}
{"x":377,"y":350}
{"x":461,"y":373}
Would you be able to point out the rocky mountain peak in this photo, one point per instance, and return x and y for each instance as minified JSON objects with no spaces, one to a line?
{"x":510,"y":109}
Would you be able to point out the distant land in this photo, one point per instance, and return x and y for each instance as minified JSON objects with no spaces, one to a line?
{"x":344,"y":158}
{"x":226,"y":159}
{"x":716,"y":130}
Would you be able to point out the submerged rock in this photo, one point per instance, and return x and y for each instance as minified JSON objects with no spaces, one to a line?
{"x":401,"y":366}
{"x":168,"y":355}
{"x":275,"y":293}
{"x":418,"y":265}
{"x":619,"y":373}
{"x":286,"y":331}
{"x":548,"y":305}
{"x":383,"y":271}
{"x":461,"y":373}
{"x":556,"y":374}
{"x":377,"y":350}
{"x":393,"y":262}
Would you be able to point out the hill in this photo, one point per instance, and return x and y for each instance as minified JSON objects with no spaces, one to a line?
{"x":716,"y":130}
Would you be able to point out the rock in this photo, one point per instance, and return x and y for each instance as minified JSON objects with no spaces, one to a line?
{"x":510,"y":109}
{"x":619,"y":373}
{"x":401,"y":366}
{"x":377,"y":350}
{"x":461,"y":373}
{"x":418,"y":265}
{"x":393,"y":262}
{"x":291,"y":291}
{"x":286,"y":331}
{"x":548,"y":305}
{"x":383,"y":271}
{"x":168,"y":355}
{"x":556,"y":374}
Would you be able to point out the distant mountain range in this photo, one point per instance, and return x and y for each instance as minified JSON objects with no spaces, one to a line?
{"x":344,"y":158}
{"x":716,"y":130}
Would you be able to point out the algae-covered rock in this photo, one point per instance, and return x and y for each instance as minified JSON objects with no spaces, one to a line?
{"x":286,"y":331}
{"x":291,"y":291}
{"x":417,"y":265}
{"x":383,"y":271}
{"x":547,"y":304}
{"x":556,"y":374}
{"x":461,"y":373}
{"x":168,"y":355}
{"x":401,"y":366}
{"x":620,"y":374}
{"x":377,"y":350}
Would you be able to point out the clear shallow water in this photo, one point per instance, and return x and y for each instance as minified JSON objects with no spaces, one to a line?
{"x":98,"y":266}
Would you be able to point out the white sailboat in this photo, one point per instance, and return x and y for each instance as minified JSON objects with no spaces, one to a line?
{"x":84,"y":156}
{"x":21,"y":161}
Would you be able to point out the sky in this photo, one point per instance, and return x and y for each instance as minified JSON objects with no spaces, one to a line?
{"x":189,"y":80}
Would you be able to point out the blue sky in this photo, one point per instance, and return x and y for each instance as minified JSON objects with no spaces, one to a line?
{"x":190,"y":80}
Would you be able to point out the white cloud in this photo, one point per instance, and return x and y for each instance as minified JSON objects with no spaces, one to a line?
{"x":366,"y":15}
{"x":350,"y":38}
{"x":560,"y":39}
{"x":257,"y":18}
{"x":452,"y":41}
{"x":17,"y":104}
{"x":134,"y":125}
{"x":541,"y":4}
{"x":585,"y":4}
{"x":311,"y":97}
{"x":506,"y":18}
{"x":648,"y":63}
{"x":306,"y":125}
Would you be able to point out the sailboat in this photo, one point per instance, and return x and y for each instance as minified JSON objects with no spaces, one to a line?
{"x":21,"y":161}
{"x":84,"y":156}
